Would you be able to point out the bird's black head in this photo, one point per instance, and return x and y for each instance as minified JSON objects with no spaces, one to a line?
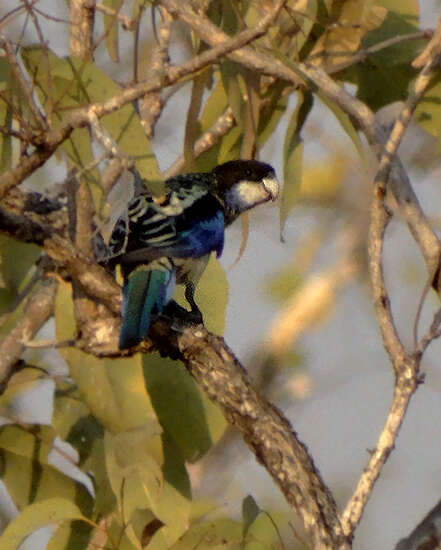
{"x":243,"y":184}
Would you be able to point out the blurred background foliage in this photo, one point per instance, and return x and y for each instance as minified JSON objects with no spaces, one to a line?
{"x":116,"y":453}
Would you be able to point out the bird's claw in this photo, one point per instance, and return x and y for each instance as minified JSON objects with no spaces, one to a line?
{"x":181,"y":317}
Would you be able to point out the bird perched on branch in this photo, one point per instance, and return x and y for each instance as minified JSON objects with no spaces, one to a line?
{"x":161,"y":242}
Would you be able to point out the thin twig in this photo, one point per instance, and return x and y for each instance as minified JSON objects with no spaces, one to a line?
{"x":23,"y":82}
{"x":316,"y":78}
{"x":151,"y":105}
{"x":13,"y":14}
{"x":406,"y":367}
{"x":363,"y":53}
{"x":432,"y":334}
{"x":209,"y":138}
{"x":82,"y":117}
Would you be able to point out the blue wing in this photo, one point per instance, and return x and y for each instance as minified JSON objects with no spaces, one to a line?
{"x":182,"y":228}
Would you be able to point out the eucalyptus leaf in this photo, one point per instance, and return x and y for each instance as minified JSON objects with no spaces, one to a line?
{"x":29,"y":479}
{"x":113,"y":390}
{"x":70,"y":83}
{"x":250,"y":511}
{"x":293,"y":155}
{"x":211,"y":296}
{"x":385,"y":76}
{"x":111,"y":29}
{"x":262,"y":534}
{"x":345,"y":123}
{"x":193,"y":423}
{"x":210,"y":535}
{"x":38,"y":515}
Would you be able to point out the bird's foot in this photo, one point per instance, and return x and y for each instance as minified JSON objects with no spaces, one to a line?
{"x":181,"y":317}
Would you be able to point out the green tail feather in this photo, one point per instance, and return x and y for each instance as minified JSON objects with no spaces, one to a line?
{"x":144,"y":293}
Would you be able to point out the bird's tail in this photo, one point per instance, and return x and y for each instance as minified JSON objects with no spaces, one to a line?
{"x":146,"y":291}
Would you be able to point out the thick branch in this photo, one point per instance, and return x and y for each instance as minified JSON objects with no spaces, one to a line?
{"x":82,"y":14}
{"x":214,"y":366}
{"x":426,"y":535}
{"x":264,"y":428}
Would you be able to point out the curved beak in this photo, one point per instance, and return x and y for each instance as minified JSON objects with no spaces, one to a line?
{"x":271,"y":186}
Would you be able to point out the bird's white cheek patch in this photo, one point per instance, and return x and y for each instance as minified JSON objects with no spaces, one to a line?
{"x":246,"y":193}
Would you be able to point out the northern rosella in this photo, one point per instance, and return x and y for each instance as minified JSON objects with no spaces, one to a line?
{"x":161,"y":242}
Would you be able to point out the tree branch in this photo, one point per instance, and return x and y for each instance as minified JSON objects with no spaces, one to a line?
{"x":426,"y":535}
{"x":151,"y":105}
{"x":82,"y":15}
{"x":207,"y":140}
{"x":406,"y":367}
{"x":223,"y":378}
{"x":82,"y":117}
{"x":301,"y":74}
{"x":266,"y":431}
{"x":23,"y":83}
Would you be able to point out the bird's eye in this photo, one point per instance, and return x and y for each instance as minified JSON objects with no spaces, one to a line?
{"x":248,"y":173}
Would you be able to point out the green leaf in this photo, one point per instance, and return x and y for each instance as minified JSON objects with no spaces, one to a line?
{"x":73,"y":83}
{"x":230,"y":145}
{"x":35,"y":445}
{"x":30,"y":479}
{"x":293,"y":26}
{"x":135,"y":475}
{"x":348,"y":23}
{"x":111,"y":29}
{"x":193,"y":422}
{"x":250,"y":511}
{"x":174,"y":505}
{"x":138,"y":484}
{"x":16,"y":259}
{"x":219,"y":534}
{"x":71,"y":535}
{"x":230,"y":72}
{"x":293,"y":155}
{"x":21,"y":384}
{"x":7,"y":300}
{"x":211,"y":296}
{"x":214,"y":106}
{"x":272,"y":111}
{"x":384,"y":76}
{"x":285,"y":283}
{"x":428,"y":112}
{"x":38,"y":515}
{"x":345,"y":123}
{"x":113,"y":390}
{"x":262,"y":534}
{"x":230,"y":22}
{"x":407,"y":9}
{"x":5,"y":117}
{"x":192,"y":129}
{"x":74,"y":424}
